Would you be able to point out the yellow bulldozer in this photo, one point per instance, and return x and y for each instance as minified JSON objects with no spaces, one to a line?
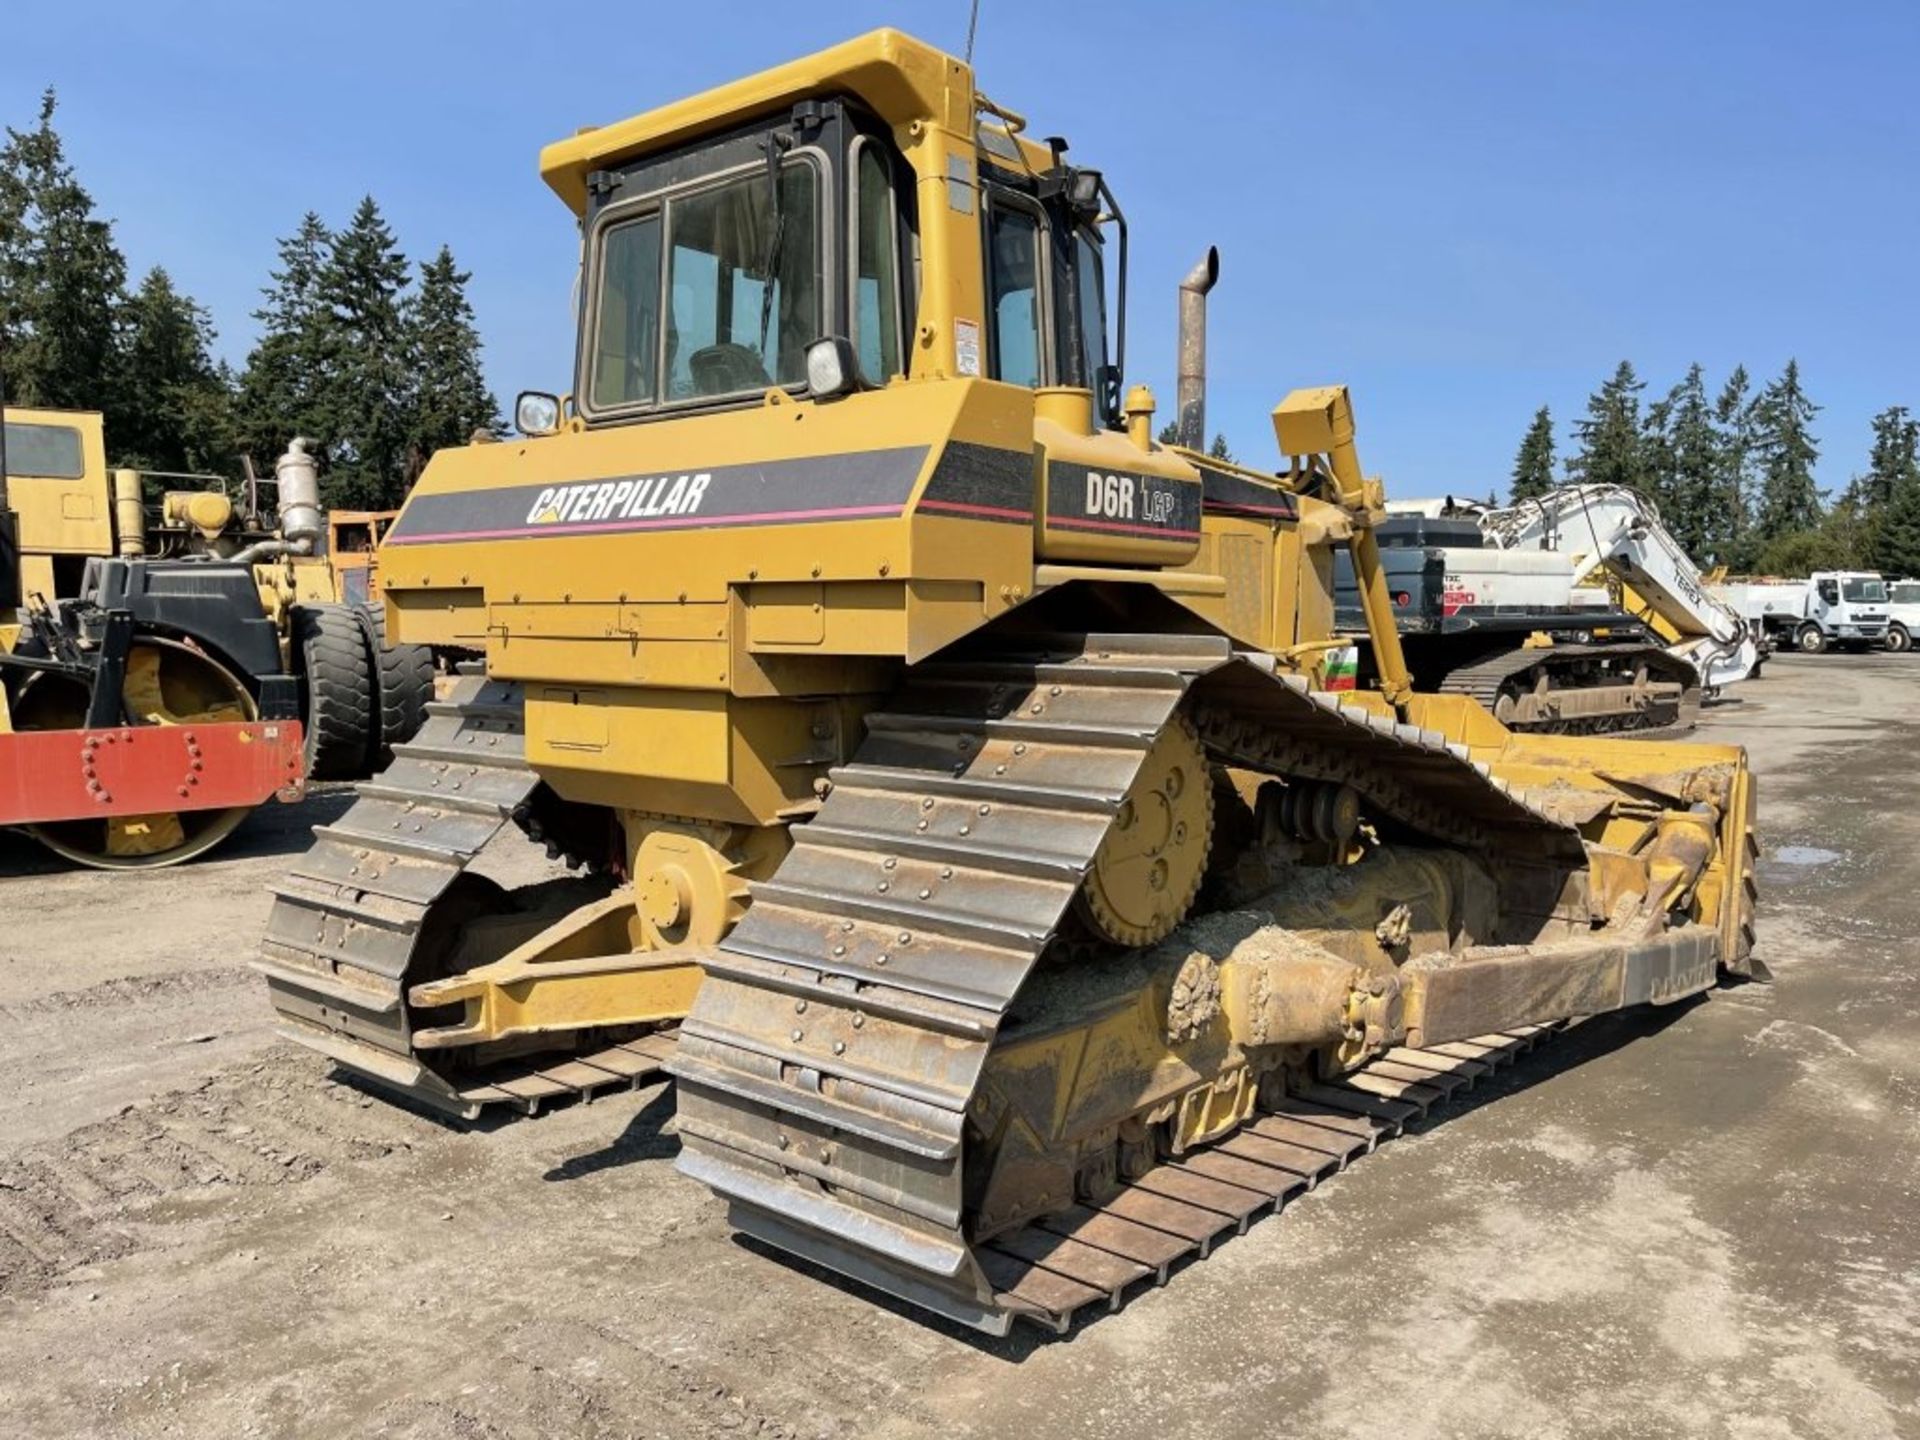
{"x":969,"y":812}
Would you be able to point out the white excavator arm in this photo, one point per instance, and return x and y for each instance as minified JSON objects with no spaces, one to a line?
{"x":1611,"y":529}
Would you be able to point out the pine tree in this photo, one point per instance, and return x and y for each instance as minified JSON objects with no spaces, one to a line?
{"x":452,"y":399}
{"x":363,"y":414}
{"x":1786,"y":451}
{"x":1218,"y":450}
{"x":62,"y":280}
{"x":1733,"y":459}
{"x":1892,"y":462}
{"x":1689,"y":463}
{"x":1888,"y":495}
{"x":1657,"y":456}
{"x":1896,"y":542}
{"x":179,"y":411}
{"x":1611,"y":450}
{"x":286,"y":377}
{"x":1533,"y":465}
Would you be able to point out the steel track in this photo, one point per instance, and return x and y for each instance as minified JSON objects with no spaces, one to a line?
{"x":345,"y":935}
{"x":828,"y":1072}
{"x":1486,"y":678}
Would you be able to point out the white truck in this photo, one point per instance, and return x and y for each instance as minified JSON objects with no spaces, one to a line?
{"x":1903,"y":613}
{"x":1830,"y":609}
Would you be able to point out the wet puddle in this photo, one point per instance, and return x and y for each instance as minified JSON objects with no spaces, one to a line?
{"x":1802,"y":855}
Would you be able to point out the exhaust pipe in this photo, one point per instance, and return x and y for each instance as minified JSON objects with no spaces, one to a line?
{"x":302,"y":521}
{"x":1191,"y":396}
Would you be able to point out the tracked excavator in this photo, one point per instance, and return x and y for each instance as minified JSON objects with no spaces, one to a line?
{"x":1576,"y":611}
{"x":961,"y":812}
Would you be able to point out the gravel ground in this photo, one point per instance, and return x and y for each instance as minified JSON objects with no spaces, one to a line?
{"x":1702,"y":1221}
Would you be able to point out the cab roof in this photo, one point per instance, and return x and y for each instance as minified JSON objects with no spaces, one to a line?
{"x":902,"y":79}
{"x":899,"y":78}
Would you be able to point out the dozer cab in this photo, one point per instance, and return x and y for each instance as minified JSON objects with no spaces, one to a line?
{"x":964,"y":773}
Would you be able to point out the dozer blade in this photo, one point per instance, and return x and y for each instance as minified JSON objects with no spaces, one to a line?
{"x":830,"y":1071}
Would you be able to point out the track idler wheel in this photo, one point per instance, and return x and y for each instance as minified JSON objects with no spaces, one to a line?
{"x":1148,"y":869}
{"x":1323,"y":811}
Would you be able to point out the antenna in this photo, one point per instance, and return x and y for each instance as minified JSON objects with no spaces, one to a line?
{"x":973,"y":24}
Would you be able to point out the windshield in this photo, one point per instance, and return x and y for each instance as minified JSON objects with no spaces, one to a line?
{"x":1864,"y":592}
{"x":741,"y":290}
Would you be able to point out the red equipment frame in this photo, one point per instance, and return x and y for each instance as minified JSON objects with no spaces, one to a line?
{"x":51,"y":775}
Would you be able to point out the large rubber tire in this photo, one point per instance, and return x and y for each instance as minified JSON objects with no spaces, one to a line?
{"x":403,"y":676}
{"x":335,"y":663}
{"x":1898,"y":640}
{"x":1810,"y":639}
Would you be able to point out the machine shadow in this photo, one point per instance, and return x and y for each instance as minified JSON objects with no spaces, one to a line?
{"x":1585,"y":1042}
{"x":271,"y":830}
{"x":644,"y":1138}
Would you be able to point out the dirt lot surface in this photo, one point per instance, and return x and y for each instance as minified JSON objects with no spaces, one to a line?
{"x":1704,"y":1221}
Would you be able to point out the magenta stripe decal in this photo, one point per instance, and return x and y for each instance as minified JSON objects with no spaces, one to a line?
{"x":985,"y":512}
{"x":1120,"y":526}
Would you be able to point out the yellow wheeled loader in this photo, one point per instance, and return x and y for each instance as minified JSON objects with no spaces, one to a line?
{"x":952,"y":764}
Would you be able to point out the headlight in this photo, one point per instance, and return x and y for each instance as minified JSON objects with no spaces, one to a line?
{"x":536,"y":413}
{"x":831,"y":369}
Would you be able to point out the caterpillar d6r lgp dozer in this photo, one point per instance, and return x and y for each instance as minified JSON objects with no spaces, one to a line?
{"x":952,"y":762}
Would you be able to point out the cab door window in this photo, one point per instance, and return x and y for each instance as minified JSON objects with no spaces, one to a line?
{"x":876,"y":265}
{"x":1015,"y":294}
{"x":1090,"y":290}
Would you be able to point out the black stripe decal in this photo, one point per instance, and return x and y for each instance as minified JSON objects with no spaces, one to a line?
{"x":1228,"y":494}
{"x":1120,"y":502}
{"x":867,"y":484}
{"x":981,"y":482}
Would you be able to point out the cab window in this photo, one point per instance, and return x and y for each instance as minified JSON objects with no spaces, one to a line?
{"x":743,"y":285}
{"x":49,"y":452}
{"x":1014,"y":267}
{"x":1090,"y":289}
{"x":876,"y":266}
{"x":736,"y":307}
{"x":626,"y":339}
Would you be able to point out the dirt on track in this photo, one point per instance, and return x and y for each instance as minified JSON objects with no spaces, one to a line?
{"x":1703,"y":1220}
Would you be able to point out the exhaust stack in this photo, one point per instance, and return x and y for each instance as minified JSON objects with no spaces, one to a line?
{"x":1191,"y":395}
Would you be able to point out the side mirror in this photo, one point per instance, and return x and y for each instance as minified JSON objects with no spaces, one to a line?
{"x":536,"y":413}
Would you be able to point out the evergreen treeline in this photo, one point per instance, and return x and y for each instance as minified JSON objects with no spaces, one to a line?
{"x":377,"y":363}
{"x":1732,"y":473}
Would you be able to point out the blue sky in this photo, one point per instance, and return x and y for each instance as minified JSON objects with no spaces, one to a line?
{"x":1463,"y":210}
